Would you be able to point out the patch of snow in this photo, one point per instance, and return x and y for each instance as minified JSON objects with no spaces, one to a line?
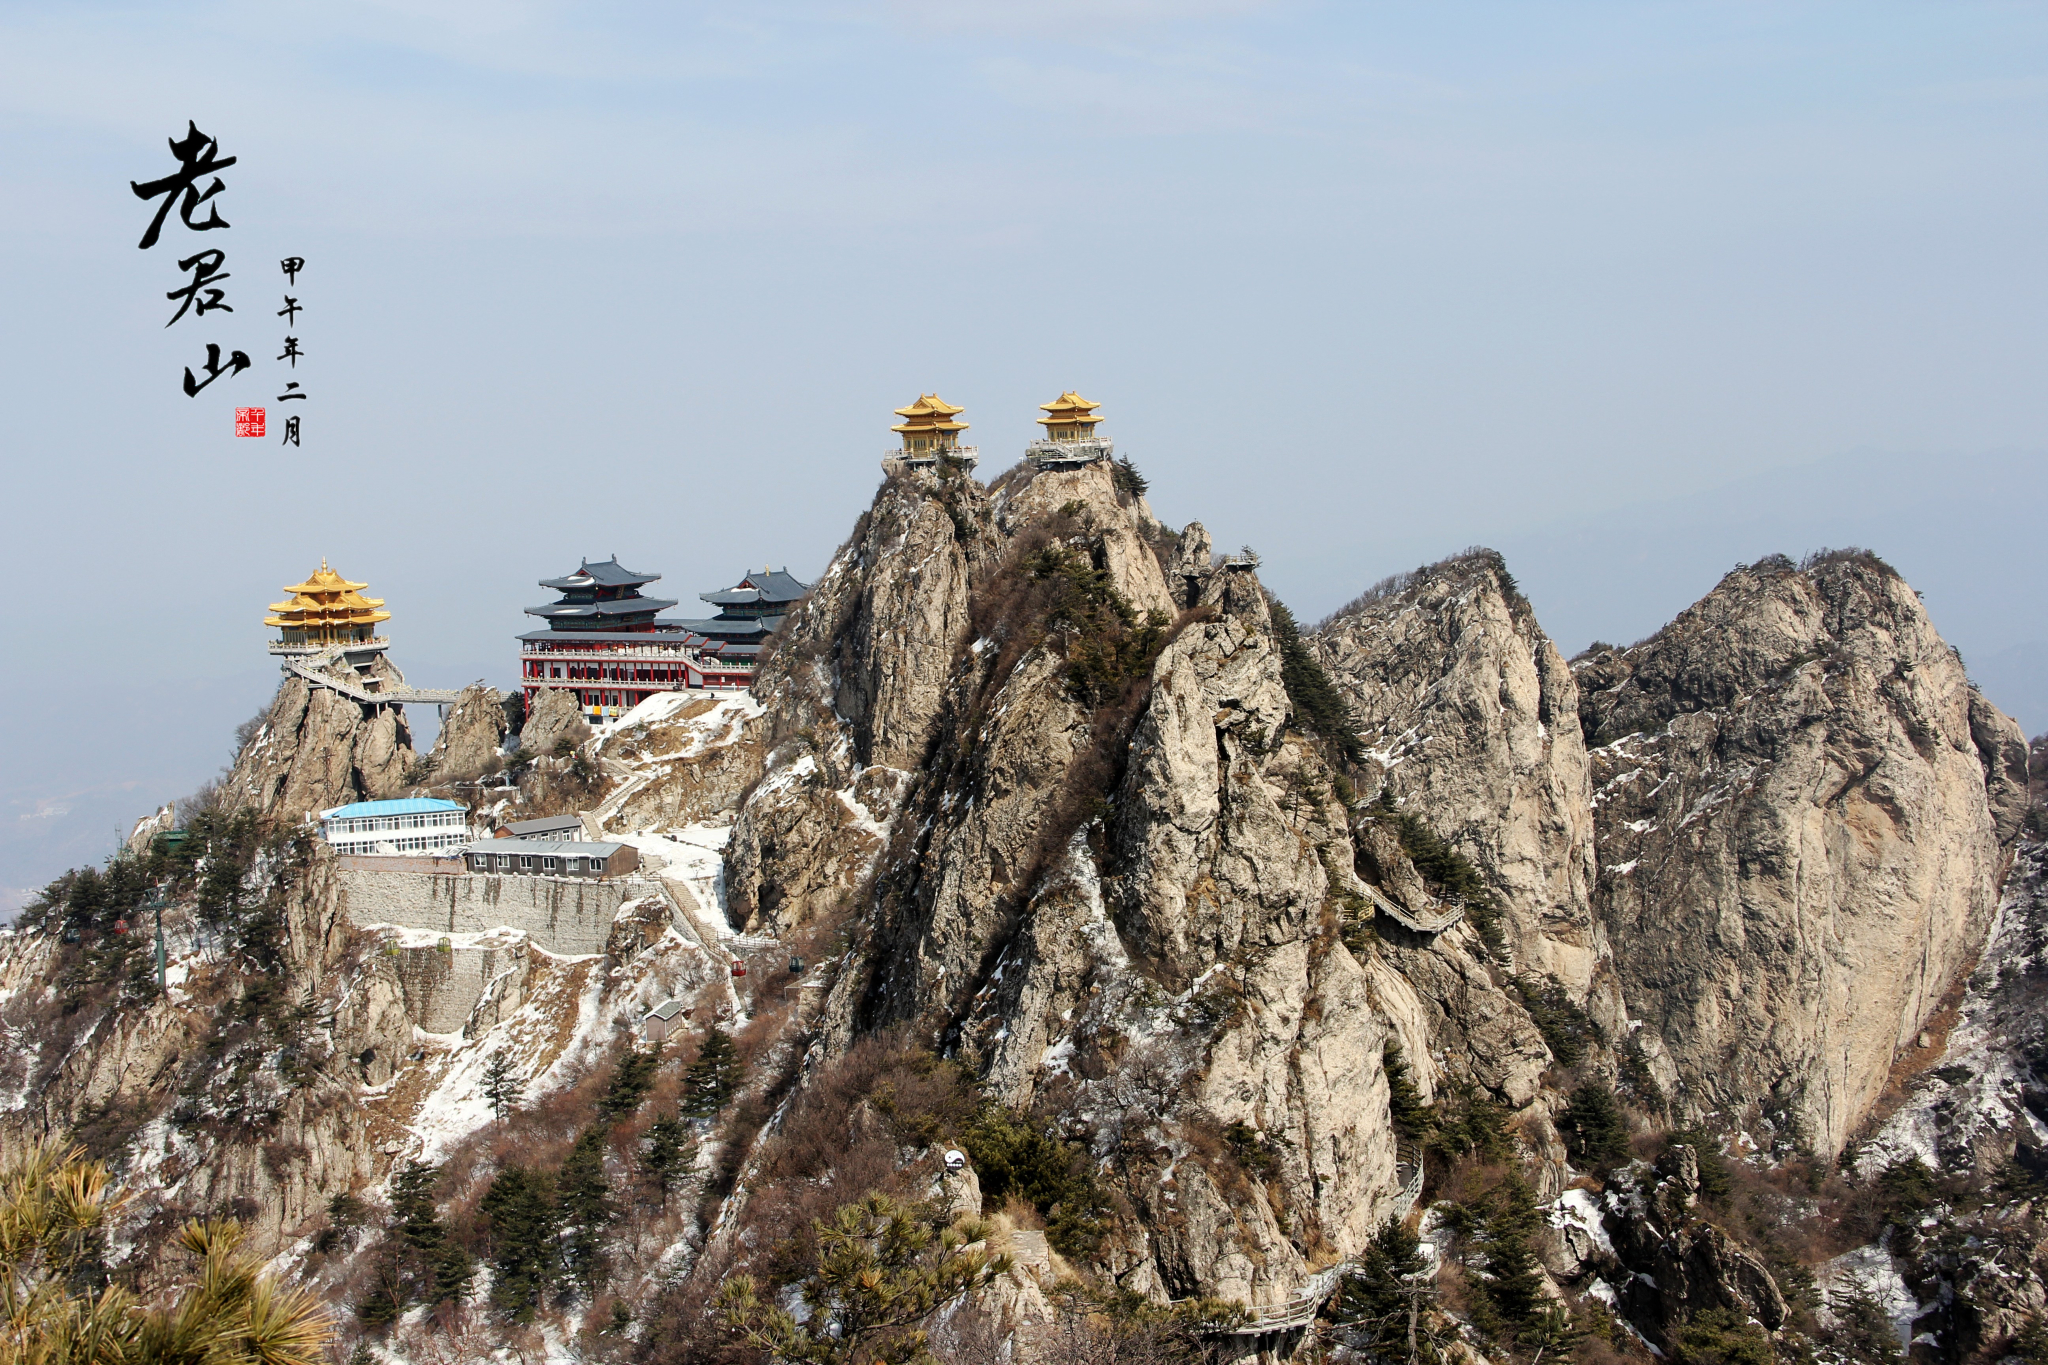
{"x":1623,"y":869}
{"x":1867,"y":1271}
{"x":1057,"y":1056}
{"x":1578,"y":1208}
{"x":695,"y":856}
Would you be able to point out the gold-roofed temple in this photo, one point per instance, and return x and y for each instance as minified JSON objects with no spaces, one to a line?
{"x":930,"y":432}
{"x":1070,"y":437}
{"x":327,"y":611}
{"x":1069,"y":417}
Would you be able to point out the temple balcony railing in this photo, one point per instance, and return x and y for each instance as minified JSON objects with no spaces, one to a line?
{"x":933,"y":456}
{"x":634,"y":654}
{"x":344,"y":646}
{"x":1070,"y":452}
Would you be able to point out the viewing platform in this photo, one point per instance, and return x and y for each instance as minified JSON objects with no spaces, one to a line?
{"x":967,"y":455}
{"x":1067,"y":454}
{"x":375,"y":644}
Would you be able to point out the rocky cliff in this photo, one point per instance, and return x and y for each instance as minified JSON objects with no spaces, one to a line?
{"x":1037,"y":838}
{"x":318,"y":748}
{"x":1801,"y":808}
{"x":1470,"y":718}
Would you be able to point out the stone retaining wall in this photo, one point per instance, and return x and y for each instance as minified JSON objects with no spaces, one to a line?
{"x":442,"y":985}
{"x":568,"y":916}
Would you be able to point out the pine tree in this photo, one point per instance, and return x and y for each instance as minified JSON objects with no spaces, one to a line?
{"x":1514,"y":1284}
{"x":1411,"y":1118}
{"x":1319,"y":707}
{"x":630,"y":1082}
{"x":583,"y":1198}
{"x":1593,"y":1128}
{"x":520,"y":1207}
{"x":1386,"y":1294}
{"x":714,"y":1078}
{"x":671,"y":1152}
{"x":1127,"y":478}
{"x":501,"y":1087}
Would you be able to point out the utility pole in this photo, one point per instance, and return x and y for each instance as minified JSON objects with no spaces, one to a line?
{"x":156,"y":899}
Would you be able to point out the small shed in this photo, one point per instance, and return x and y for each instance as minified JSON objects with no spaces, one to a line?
{"x":669,"y":1014}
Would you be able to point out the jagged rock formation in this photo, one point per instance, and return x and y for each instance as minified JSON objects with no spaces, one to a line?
{"x":554,"y":718}
{"x":472,"y":733}
{"x":1120,"y":896}
{"x":318,"y":748}
{"x":1799,"y":806}
{"x":1023,"y":781}
{"x":1659,"y":1254}
{"x":1471,"y":719}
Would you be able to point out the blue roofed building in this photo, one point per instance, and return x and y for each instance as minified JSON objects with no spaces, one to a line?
{"x":414,"y":824}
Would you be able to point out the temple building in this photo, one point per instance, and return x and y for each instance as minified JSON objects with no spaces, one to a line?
{"x":751,"y":609}
{"x":929,"y":433}
{"x":1069,"y":438}
{"x":325,"y":612}
{"x":611,"y":646}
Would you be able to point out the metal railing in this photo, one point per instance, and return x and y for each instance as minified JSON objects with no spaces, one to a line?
{"x":1442,"y":917}
{"x":1090,"y":448}
{"x":351,"y":646}
{"x":439,"y":696}
{"x":933,"y":456}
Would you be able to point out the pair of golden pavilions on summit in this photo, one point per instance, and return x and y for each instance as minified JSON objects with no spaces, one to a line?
{"x":928,"y":428}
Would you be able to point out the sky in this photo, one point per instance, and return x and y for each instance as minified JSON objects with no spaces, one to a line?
{"x":1631,"y":292}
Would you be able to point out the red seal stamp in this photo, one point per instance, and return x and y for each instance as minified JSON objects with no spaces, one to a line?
{"x":248,"y":421}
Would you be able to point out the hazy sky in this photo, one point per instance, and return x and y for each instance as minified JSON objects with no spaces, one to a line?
{"x":1630,"y":291}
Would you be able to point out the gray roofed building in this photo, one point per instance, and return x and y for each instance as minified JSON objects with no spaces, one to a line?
{"x":549,"y":827}
{"x":610,"y":574}
{"x":550,"y":858}
{"x":616,"y":606}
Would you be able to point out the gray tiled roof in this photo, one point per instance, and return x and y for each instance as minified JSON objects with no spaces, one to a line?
{"x":529,"y":829}
{"x":773,"y":585}
{"x":610,"y":574}
{"x":618,"y":606}
{"x":553,"y":848}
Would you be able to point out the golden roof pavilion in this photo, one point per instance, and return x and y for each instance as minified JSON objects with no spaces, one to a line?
{"x":928,"y":426}
{"x":1069,"y":417}
{"x":327,"y":609}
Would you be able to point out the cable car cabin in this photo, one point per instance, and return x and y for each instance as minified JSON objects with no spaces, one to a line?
{"x":739,"y":968}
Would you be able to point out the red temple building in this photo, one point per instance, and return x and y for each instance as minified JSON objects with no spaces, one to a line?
{"x":610,"y":646}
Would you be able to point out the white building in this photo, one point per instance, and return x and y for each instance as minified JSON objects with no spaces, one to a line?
{"x":416,"y":824}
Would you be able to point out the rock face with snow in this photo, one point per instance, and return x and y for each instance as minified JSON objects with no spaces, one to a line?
{"x":553,"y":720}
{"x":1471,"y":718}
{"x":1029,"y":779}
{"x":1799,"y":805}
{"x":1120,"y":889}
{"x":318,"y":748}
{"x":472,"y":734}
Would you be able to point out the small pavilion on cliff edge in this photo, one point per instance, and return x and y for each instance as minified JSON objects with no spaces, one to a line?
{"x":327,"y":621}
{"x":324,"y":612}
{"x":1070,"y":437}
{"x":930,"y":434}
{"x":613,"y":649}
